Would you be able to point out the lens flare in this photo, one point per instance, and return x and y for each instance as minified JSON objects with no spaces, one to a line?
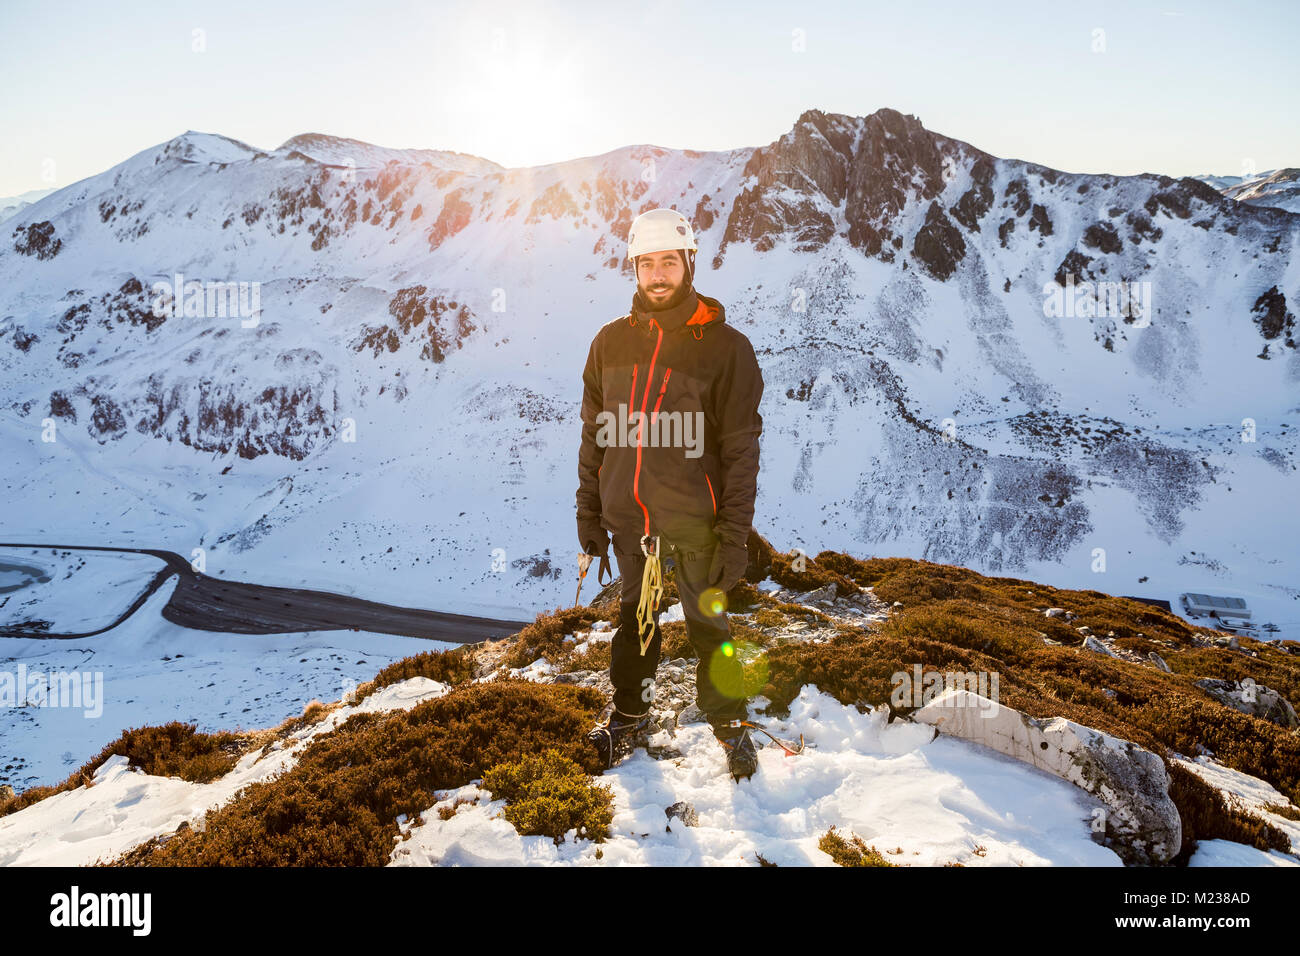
{"x":713,"y":602}
{"x":739,"y":669}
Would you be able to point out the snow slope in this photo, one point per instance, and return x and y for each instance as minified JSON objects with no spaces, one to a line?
{"x":151,"y":671}
{"x":937,"y":800}
{"x":125,"y":807}
{"x":399,"y":421}
{"x":940,"y":800}
{"x":416,"y":305}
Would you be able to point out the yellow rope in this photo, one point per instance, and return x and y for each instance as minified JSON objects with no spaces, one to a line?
{"x":652,"y":588}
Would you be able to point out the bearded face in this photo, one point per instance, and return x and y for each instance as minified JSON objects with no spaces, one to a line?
{"x":661,"y":278}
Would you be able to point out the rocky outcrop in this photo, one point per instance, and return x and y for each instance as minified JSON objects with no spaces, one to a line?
{"x":1273,"y":320}
{"x":1251,"y":698}
{"x":1141,"y":823}
{"x":870,"y":168}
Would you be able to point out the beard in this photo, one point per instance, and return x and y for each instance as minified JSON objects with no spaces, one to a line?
{"x":679,"y":294}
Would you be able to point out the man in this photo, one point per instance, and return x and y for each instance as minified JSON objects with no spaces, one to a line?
{"x":669,"y":465}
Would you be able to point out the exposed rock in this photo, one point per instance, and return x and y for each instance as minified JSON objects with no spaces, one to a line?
{"x":975,"y":202}
{"x":691,"y":714}
{"x":571,"y":677}
{"x":1252,"y":698}
{"x":684,"y":812}
{"x":1092,"y":644}
{"x":1272,"y":318}
{"x":823,"y":595}
{"x":1159,"y":661}
{"x":1103,"y":237}
{"x":1054,"y":612}
{"x":1142,"y":826}
{"x":37,"y":240}
{"x":938,"y":244}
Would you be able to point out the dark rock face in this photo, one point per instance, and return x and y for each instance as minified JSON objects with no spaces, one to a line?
{"x":1102,"y":236}
{"x":283,"y":420}
{"x":1018,"y":191}
{"x":61,"y":407}
{"x":24,"y":340}
{"x":1176,"y":198}
{"x":1142,"y":228}
{"x":1273,"y":319}
{"x":1040,"y":220}
{"x":456,"y":214}
{"x":868,"y":167}
{"x":37,"y":240}
{"x":939,"y":245}
{"x":448,"y":325}
{"x":1007,"y":228}
{"x":894,"y":152}
{"x":975,"y":202}
{"x":106,"y":421}
{"x":1075,"y":264}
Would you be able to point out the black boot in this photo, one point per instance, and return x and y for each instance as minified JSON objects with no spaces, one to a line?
{"x":742,"y":758}
{"x":619,"y":734}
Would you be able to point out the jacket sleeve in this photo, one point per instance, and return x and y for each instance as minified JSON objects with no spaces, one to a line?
{"x":590,"y":454}
{"x":736,"y":396}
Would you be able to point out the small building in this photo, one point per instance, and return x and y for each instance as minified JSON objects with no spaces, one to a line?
{"x":1209,"y":605}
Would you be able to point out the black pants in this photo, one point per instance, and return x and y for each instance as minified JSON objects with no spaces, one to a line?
{"x":719,"y":692}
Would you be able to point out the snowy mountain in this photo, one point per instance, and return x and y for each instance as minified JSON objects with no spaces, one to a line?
{"x":388,"y":404}
{"x":10,"y":206}
{"x":1278,"y":188}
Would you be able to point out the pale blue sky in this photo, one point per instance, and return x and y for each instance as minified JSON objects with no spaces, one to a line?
{"x":1181,"y":88}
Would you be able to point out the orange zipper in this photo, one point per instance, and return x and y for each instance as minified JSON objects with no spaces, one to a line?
{"x":660,"y":400}
{"x":715,"y":500}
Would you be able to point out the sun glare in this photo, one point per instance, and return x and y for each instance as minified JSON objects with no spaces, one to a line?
{"x":522,"y":98}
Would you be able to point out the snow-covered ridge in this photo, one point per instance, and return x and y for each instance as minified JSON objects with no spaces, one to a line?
{"x":341,"y":151}
{"x":921,"y":396}
{"x":1276,"y":188}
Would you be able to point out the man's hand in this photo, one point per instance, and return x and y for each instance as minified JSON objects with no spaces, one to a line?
{"x":730,"y":560}
{"x":593,"y":538}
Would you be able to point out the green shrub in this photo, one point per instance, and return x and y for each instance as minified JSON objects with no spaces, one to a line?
{"x":175,"y":749}
{"x":338,"y":805}
{"x":452,"y":666}
{"x":845,"y":853}
{"x":545,"y":636}
{"x":549,"y":795}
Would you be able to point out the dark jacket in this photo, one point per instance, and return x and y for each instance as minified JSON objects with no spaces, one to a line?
{"x":665,"y":477}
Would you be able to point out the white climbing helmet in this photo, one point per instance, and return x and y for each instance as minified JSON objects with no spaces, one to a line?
{"x":659,"y":230}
